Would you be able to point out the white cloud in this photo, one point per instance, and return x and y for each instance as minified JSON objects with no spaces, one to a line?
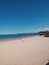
{"x":44,"y":29}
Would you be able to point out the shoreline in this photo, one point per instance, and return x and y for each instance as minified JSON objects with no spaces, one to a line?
{"x":27,"y":51}
{"x":18,"y":38}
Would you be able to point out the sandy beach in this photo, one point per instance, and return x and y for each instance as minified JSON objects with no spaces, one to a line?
{"x":27,"y":51}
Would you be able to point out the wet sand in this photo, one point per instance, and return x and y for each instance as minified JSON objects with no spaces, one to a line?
{"x":27,"y":51}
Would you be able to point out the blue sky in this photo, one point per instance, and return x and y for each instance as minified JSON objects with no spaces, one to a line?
{"x":21,"y":16}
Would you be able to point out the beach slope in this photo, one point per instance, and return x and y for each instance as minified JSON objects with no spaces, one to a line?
{"x":26,"y":51}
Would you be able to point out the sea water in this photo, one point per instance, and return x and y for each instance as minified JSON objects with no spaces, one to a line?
{"x":16,"y":36}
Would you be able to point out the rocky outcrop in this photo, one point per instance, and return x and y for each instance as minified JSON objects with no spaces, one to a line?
{"x":45,"y":33}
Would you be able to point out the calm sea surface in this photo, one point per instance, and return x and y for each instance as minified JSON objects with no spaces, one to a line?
{"x":16,"y":36}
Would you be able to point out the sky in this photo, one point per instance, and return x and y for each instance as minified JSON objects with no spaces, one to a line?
{"x":23,"y":16}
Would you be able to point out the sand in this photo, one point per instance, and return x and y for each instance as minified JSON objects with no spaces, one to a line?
{"x":27,"y":51}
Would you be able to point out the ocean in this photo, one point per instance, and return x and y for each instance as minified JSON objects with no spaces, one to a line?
{"x":16,"y":36}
